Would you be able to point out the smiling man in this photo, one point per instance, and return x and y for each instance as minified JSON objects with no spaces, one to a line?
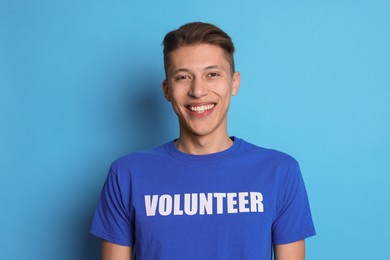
{"x":204,"y":195}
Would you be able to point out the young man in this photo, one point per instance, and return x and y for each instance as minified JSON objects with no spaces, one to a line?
{"x":204,"y":195}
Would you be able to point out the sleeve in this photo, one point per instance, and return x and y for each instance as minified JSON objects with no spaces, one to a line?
{"x":112,"y":220}
{"x":293,"y":221}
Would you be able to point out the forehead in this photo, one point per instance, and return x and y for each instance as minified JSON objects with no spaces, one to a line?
{"x":198,"y":56}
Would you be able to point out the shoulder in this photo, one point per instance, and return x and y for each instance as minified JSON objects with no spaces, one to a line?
{"x":139,"y":158}
{"x":265,"y":154}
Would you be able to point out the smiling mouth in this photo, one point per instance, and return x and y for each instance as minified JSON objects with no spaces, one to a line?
{"x":201,"y":109}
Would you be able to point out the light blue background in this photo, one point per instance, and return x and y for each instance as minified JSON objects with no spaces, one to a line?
{"x":80,"y":85}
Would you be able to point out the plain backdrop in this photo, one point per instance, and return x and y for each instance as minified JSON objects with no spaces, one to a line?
{"x":80,"y":85}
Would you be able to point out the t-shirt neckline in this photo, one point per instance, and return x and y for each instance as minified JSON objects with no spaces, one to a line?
{"x":173,"y":151}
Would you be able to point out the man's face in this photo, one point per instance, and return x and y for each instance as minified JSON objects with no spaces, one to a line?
{"x":199,"y":85}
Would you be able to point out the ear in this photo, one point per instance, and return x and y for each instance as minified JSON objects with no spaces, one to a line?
{"x":165,"y":88}
{"x":236,"y":83}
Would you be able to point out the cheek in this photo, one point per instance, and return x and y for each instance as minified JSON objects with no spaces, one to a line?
{"x":225,"y":89}
{"x":178,"y":94}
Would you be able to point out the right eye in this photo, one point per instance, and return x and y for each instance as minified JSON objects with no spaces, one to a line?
{"x":182,"y":77}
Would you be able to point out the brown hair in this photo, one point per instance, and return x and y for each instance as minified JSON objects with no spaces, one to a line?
{"x":197,"y":33}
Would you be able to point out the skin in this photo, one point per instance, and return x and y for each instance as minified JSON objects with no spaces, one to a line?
{"x":112,"y":251}
{"x":292,"y":251}
{"x":199,"y":77}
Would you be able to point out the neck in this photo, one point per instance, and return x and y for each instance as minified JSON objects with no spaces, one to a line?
{"x":199,"y":145}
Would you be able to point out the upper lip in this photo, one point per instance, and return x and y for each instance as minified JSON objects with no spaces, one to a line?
{"x":201,"y":104}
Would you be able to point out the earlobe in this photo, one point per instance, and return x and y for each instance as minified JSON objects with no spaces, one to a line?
{"x":165,"y":90}
{"x":236,"y":83}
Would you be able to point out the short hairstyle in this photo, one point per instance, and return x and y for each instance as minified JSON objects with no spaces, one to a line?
{"x":197,"y":33}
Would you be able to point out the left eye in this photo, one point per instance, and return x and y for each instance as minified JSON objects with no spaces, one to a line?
{"x":213,"y":74}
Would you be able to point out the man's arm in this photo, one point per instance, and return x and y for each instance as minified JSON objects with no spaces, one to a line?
{"x":292,"y":251}
{"x":112,"y":251}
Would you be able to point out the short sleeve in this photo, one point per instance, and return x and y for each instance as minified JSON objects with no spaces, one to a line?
{"x":293,"y":221}
{"x":112,"y":220}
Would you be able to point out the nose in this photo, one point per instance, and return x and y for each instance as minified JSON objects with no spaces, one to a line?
{"x":198,"y":88}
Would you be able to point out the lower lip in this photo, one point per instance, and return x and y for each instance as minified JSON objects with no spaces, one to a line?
{"x":200,"y":115}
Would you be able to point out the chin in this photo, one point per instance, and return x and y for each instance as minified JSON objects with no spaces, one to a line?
{"x":201,"y":131}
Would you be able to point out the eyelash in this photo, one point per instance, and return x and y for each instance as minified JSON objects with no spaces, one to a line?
{"x":209,"y":75}
{"x":213,"y":74}
{"x":181,"y":78}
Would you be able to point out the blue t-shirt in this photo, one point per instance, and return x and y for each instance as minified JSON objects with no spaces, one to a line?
{"x":232,"y":204}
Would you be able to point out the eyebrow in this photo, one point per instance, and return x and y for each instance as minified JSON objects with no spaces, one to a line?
{"x":214,"y":67}
{"x":206,"y":68}
{"x":180,"y":70}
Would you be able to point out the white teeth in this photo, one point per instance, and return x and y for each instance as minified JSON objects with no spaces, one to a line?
{"x":201,"y":109}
